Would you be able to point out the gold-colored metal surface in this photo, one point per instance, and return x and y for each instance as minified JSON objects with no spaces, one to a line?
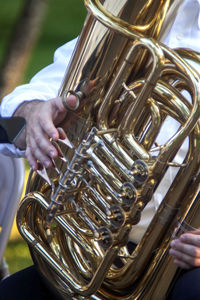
{"x":78,"y":217}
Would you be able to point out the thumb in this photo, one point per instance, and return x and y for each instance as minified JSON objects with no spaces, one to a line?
{"x":70,"y":102}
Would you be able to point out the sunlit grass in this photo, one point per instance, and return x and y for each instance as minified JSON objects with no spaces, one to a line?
{"x":17,"y":255}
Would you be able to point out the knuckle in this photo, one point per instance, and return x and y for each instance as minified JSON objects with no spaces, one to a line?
{"x":46,"y":147}
{"x":38,"y":140}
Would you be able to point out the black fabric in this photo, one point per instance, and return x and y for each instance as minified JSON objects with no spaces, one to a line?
{"x":10,"y":128}
{"x":28,"y":285}
{"x":3,"y":135}
{"x":25,"y":285}
{"x":187,"y":287}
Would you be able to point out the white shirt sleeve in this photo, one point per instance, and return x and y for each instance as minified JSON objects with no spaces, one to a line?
{"x":43,"y":86}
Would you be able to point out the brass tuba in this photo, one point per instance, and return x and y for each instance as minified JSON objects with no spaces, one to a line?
{"x":78,"y":216}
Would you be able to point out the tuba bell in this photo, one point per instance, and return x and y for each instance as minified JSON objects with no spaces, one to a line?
{"x":78,"y":216}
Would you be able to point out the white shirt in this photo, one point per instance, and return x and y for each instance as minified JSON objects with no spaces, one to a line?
{"x":185,"y":32}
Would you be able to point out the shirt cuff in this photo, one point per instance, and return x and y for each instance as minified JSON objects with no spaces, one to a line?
{"x":11,"y":150}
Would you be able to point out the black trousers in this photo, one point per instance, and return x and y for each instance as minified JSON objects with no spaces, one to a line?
{"x":187,"y":286}
{"x":24,"y":285}
{"x":28,"y":285}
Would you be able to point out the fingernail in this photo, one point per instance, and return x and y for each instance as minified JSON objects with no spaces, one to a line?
{"x":172,"y":243}
{"x":176,"y":261}
{"x":54,"y":136}
{"x":183,"y":237}
{"x":52,"y":153}
{"x":46,"y":163}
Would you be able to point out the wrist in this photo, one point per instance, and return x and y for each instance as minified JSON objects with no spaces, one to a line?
{"x":25,"y":108}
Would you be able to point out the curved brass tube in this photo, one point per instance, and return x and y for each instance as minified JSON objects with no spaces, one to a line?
{"x":79,"y":216}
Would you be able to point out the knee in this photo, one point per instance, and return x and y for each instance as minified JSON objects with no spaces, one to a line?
{"x":187,"y":286}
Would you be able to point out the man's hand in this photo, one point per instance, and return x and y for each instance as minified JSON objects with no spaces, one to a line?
{"x":42,"y":119}
{"x":186,"y":250}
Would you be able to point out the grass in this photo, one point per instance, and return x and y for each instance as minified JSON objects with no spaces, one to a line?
{"x":63,"y":21}
{"x":17,"y":255}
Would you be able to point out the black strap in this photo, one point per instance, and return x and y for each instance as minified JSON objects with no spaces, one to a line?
{"x":10,"y":129}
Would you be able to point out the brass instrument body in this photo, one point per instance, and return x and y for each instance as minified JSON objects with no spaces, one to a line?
{"x":77,"y":217}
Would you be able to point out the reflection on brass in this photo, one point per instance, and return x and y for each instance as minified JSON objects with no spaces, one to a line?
{"x":79,"y":215}
{"x":168,"y":213}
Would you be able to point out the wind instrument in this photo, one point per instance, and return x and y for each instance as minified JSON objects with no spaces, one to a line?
{"x":78,"y":216}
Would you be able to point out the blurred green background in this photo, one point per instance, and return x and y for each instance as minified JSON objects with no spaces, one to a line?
{"x":62,"y":22}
